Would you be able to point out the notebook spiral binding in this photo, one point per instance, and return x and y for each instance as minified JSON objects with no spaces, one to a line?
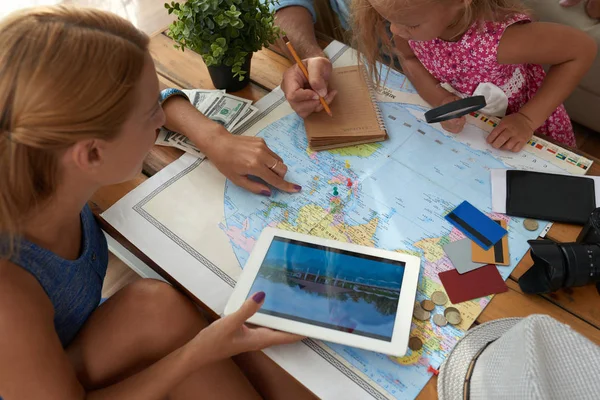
{"x":373,"y":96}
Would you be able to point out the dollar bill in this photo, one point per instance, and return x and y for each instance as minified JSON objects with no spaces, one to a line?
{"x":226,"y":109}
{"x":173,"y":139}
{"x":163,"y":137}
{"x":188,"y":148}
{"x":198,"y":96}
{"x":230,"y":111}
{"x":250,"y":112}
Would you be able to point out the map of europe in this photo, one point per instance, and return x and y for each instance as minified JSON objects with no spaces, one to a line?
{"x":392,"y":195}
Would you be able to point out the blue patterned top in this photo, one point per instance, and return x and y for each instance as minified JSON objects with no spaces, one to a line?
{"x":73,"y":286}
{"x":170,"y":92}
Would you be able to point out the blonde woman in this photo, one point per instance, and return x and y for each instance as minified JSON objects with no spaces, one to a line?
{"x":79,"y":109}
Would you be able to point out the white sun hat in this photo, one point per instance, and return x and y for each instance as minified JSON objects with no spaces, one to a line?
{"x":521,"y":358}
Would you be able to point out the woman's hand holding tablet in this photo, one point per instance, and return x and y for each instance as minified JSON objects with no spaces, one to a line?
{"x":230,"y":335}
{"x":340,"y":292}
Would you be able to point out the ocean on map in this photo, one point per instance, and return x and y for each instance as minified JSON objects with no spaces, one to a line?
{"x":335,"y":289}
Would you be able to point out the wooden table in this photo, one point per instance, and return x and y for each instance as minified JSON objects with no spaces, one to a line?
{"x":577,"y":307}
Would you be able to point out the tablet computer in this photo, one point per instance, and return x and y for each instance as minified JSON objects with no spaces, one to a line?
{"x":324,"y":289}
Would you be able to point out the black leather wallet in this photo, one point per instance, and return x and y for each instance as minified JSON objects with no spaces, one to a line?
{"x":550,"y":197}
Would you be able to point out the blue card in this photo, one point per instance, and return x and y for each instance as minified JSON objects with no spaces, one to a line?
{"x":476,"y":225}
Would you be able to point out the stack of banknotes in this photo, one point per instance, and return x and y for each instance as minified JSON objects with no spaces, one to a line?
{"x":230,"y":111}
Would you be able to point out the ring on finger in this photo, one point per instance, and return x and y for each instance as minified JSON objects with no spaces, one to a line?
{"x":274,"y":165}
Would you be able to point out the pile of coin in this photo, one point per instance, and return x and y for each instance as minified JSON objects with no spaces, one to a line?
{"x":427,"y":305}
{"x":419,"y":313}
{"x":453,"y":315}
{"x":423,"y":310}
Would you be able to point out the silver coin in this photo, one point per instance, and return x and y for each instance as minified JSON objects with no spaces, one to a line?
{"x":417,"y":307}
{"x":451,"y":309}
{"x":453,"y":315}
{"x":531,"y":224}
{"x":439,"y":298}
{"x":421,"y":314}
{"x":440,"y":320}
{"x":454,"y":318}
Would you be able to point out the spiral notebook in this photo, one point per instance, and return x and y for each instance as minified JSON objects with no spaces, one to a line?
{"x":356,"y":116}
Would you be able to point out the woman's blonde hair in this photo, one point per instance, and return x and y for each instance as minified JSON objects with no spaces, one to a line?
{"x":66,"y":74}
{"x":370,"y":32}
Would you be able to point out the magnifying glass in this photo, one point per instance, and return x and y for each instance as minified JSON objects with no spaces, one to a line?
{"x":455,"y":109}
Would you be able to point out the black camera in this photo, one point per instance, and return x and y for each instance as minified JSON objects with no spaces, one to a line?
{"x":562,"y":265}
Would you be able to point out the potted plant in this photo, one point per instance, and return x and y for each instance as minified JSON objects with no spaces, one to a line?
{"x":225,"y":33}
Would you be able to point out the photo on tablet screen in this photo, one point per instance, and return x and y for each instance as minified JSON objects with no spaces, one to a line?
{"x":329,"y":287}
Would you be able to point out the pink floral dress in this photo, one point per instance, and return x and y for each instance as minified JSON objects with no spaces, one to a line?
{"x":473,"y":60}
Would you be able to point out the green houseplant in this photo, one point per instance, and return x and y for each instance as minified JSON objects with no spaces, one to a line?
{"x":225,"y":33}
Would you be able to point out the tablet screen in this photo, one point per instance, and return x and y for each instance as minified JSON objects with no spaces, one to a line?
{"x":331,"y":288}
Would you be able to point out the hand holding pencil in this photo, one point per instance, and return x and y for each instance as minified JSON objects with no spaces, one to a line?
{"x":305,"y":84}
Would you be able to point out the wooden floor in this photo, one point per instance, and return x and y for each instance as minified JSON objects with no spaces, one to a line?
{"x":151,"y":17}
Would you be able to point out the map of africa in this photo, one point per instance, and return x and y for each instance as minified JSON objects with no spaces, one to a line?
{"x":392,"y":195}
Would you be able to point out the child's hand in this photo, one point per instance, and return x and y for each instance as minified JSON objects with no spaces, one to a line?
{"x":455,"y":125}
{"x":512,"y":133}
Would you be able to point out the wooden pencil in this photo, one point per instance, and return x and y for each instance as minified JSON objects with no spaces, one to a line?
{"x":304,"y":71}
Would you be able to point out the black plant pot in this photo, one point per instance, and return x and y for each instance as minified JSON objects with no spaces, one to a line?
{"x":222,"y":76}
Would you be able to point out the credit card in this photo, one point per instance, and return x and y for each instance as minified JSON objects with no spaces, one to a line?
{"x":476,"y":225}
{"x":497,"y":254}
{"x":459,"y":253}
{"x":472,"y":285}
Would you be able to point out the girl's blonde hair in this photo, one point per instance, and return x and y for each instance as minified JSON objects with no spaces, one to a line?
{"x":66,"y":74}
{"x":371,"y":38}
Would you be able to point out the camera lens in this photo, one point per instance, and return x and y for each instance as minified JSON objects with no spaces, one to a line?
{"x":565,"y":265}
{"x":583,"y":263}
{"x":560,"y":265}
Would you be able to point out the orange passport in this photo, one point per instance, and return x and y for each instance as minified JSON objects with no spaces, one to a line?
{"x":356,"y":116}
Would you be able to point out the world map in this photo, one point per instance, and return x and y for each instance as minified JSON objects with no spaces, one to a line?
{"x":392,"y":195}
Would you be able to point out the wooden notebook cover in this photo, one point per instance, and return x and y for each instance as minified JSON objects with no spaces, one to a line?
{"x":354,"y":113}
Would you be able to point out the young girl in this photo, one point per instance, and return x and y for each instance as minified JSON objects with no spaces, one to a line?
{"x":465,"y":43}
{"x":79,"y":108}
